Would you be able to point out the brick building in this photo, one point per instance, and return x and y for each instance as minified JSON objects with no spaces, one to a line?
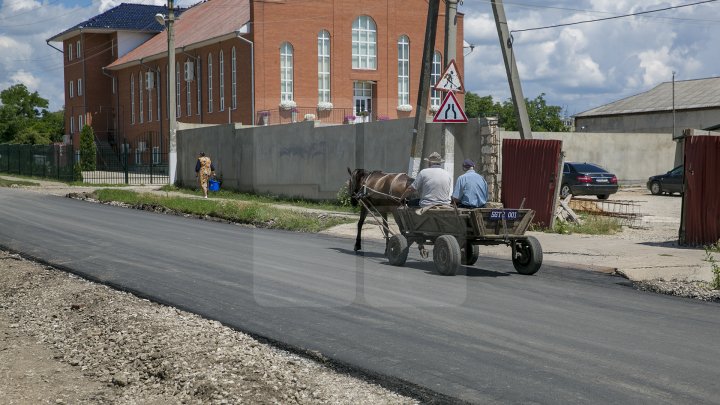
{"x":250,"y":62}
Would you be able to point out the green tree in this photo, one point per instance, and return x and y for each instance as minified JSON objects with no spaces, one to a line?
{"x":476,"y":106}
{"x":87,"y":148}
{"x":20,"y":109}
{"x":543,"y":117}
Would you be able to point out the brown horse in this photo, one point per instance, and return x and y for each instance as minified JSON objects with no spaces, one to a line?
{"x":378,"y":191}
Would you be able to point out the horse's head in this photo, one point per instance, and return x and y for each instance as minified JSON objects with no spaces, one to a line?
{"x":357,"y":177}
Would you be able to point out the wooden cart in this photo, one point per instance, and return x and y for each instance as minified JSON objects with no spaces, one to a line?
{"x":456,"y":234}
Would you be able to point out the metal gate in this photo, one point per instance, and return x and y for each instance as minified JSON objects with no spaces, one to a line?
{"x":700,"y":224}
{"x":530,"y":172}
{"x":142,"y":160}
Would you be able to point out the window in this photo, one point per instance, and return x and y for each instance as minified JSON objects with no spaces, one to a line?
{"x":157,"y":92}
{"x":132,"y":98}
{"x":364,"y":43}
{"x":403,"y":70}
{"x":210,"y":95}
{"x":324,"y":66}
{"x":149,"y":94}
{"x":70,"y":52}
{"x":435,"y":95}
{"x":233,"y":79}
{"x":141,"y":89}
{"x":71,"y":89}
{"x":167,"y":93}
{"x":188,"y":90}
{"x":178,"y":106}
{"x":286,"y":72}
{"x":72,"y":124}
{"x":156,"y":155}
{"x":80,"y":88}
{"x":77,"y":49}
{"x":114,"y":86}
{"x":80,"y":122}
{"x":221,"y":66}
{"x":199,"y":86}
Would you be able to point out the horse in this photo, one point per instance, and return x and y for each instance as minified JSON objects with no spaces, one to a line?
{"x":379,"y":191}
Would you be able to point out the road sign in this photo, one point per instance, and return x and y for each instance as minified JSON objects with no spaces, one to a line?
{"x":450,"y":110}
{"x":450,"y":79}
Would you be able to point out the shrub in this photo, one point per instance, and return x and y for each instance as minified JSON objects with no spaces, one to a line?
{"x":87,"y":148}
{"x":343,"y":196}
{"x":77,"y":172}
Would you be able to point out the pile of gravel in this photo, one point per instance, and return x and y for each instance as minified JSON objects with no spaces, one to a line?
{"x":689,"y":289}
{"x":142,"y":352}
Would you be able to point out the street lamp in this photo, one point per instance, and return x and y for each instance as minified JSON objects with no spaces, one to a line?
{"x":172,"y":108}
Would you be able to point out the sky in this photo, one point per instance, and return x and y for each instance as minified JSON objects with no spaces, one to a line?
{"x":577,"y":67}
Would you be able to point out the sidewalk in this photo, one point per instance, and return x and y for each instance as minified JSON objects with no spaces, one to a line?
{"x":634,"y":258}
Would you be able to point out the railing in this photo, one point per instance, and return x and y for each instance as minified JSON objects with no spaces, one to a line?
{"x":297,"y":114}
{"x":47,"y":161}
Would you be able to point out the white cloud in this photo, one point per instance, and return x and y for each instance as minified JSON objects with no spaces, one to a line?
{"x":26,"y":78}
{"x":21,"y":5}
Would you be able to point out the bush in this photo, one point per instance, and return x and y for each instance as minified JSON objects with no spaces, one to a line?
{"x":77,"y":172}
{"x":343,"y":196}
{"x":87,"y":148}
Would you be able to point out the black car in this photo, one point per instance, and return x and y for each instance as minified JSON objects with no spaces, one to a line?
{"x":670,"y":182}
{"x":587,"y":179}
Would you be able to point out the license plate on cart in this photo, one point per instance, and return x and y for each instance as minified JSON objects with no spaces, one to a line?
{"x":497,"y":215}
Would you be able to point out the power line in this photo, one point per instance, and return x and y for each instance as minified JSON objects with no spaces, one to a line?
{"x":614,"y":17}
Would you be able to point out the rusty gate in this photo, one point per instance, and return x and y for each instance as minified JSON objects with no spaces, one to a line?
{"x":701,"y":200}
{"x":530,"y":172}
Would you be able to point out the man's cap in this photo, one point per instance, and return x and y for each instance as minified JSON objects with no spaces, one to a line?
{"x":468,"y":163}
{"x":434,"y":158}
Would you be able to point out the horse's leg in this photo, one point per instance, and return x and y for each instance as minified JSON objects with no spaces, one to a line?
{"x":361,"y":221}
{"x":385,"y":231}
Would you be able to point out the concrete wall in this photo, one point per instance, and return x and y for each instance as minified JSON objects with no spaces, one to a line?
{"x":303,"y":160}
{"x":652,"y":122}
{"x":631,"y":157}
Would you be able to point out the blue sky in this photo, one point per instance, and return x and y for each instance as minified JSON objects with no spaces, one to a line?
{"x":577,"y":67}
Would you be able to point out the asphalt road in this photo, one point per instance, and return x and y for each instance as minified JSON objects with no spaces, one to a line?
{"x":486,"y":336}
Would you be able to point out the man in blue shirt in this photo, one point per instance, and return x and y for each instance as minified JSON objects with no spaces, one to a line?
{"x":470,"y":189}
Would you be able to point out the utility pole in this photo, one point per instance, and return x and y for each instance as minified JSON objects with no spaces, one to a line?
{"x":450,"y":54}
{"x":418,"y":138}
{"x":511,"y":69}
{"x":172,"y":113}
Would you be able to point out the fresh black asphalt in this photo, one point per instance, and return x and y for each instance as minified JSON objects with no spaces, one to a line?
{"x":487,"y":335}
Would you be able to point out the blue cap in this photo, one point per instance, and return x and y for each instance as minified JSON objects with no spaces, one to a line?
{"x":468,"y":163}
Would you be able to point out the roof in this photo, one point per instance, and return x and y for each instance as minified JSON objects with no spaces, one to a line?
{"x":689,"y":94}
{"x":212,"y":19}
{"x":125,"y":17}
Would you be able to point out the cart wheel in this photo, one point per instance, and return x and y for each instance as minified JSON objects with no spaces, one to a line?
{"x":397,"y":250}
{"x":527,"y":256}
{"x":446,"y":255}
{"x":470,"y":254}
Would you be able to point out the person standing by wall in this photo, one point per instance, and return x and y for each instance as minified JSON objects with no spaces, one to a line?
{"x":204,"y":168}
{"x":470,"y":189}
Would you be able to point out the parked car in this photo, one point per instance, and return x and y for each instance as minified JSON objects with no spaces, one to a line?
{"x":587,"y":179}
{"x":670,"y":182}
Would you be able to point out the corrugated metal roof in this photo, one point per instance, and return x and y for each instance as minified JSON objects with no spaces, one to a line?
{"x":204,"y":21}
{"x":689,"y":94}
{"x":125,"y":17}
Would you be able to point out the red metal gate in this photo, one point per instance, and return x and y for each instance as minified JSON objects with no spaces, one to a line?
{"x":701,"y":199}
{"x":530,"y":171}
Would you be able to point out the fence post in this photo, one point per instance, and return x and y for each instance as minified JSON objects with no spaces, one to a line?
{"x":57,"y":161}
{"x":125,"y":161}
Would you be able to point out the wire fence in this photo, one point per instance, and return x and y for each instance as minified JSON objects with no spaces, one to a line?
{"x":46,"y":161}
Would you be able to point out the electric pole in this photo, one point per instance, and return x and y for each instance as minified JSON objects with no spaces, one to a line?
{"x":450,"y":54}
{"x":172,"y":108}
{"x":418,"y":136}
{"x":511,"y":69}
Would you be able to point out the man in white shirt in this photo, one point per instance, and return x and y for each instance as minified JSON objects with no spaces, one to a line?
{"x":434,"y":184}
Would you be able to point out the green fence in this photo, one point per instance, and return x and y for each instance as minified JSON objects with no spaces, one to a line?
{"x":48,"y":161}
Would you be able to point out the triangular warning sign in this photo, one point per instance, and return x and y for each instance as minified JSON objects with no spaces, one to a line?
{"x":450,"y":110}
{"x":450,"y":79}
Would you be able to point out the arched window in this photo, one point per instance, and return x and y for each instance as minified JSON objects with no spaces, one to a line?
{"x":132,"y":98}
{"x":198,"y":74}
{"x":435,"y":95}
{"x":210,"y":95}
{"x":221,"y":66}
{"x":157,"y":92}
{"x":140,"y":93}
{"x":286,"y":72}
{"x":188,"y":88}
{"x":324,"y":67}
{"x":178,"y":106}
{"x":403,"y":70}
{"x":233,"y":89}
{"x":364,"y":43}
{"x":71,"y":89}
{"x":151,"y":78}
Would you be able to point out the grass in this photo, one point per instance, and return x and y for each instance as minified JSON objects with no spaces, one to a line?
{"x":9,"y":183}
{"x":267,"y":199}
{"x":69,"y":183}
{"x":710,"y":258}
{"x":592,"y":225}
{"x":260,"y":214}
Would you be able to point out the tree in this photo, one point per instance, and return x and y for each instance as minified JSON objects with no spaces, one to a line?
{"x":543,"y":117}
{"x":20,"y":109}
{"x":87,"y":148}
{"x":476,"y":106}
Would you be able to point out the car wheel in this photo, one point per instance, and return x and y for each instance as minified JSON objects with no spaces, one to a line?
{"x":603,"y":196}
{"x":564,"y":191}
{"x":655,"y":188}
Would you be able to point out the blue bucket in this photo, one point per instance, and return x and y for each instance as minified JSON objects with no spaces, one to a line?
{"x":213,"y":185}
